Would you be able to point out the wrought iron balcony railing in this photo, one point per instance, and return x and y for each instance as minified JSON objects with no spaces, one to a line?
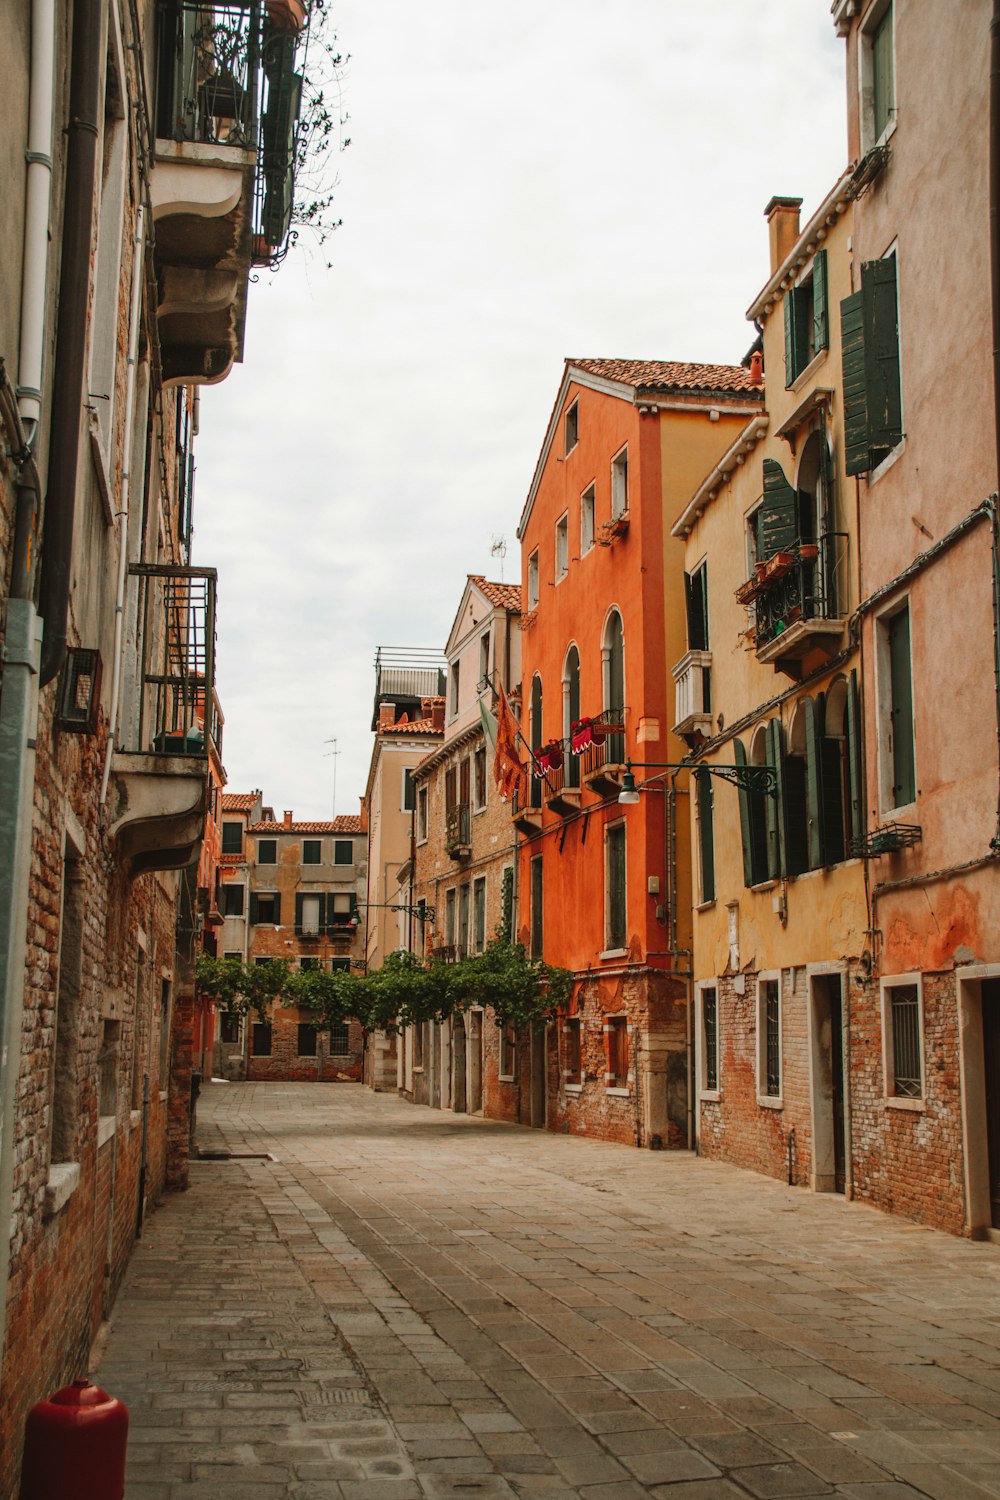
{"x":174,"y":660}
{"x":458,"y":828}
{"x":606,"y":750}
{"x":798,"y":585}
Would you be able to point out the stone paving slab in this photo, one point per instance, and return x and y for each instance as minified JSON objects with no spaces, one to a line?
{"x":401,"y":1304}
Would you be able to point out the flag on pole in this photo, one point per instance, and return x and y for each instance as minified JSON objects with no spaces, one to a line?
{"x":508,"y":772}
{"x":489,"y":724}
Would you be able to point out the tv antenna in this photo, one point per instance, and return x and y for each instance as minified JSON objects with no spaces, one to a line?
{"x":498,"y":548}
{"x":332,"y":754}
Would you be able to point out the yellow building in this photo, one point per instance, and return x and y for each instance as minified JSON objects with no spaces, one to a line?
{"x":767,"y":697}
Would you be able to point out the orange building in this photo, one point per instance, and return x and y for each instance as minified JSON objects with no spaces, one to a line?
{"x":604,"y":618}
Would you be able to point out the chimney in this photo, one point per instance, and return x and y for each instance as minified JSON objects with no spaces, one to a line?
{"x":437,"y":714}
{"x":288,"y":818}
{"x":386,"y":715}
{"x":782,"y":215}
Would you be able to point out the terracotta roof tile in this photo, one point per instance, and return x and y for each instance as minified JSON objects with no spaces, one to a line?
{"x":332,"y":825}
{"x":238,"y":801}
{"x":416,"y":726}
{"x":503,"y":595}
{"x":669,"y":375}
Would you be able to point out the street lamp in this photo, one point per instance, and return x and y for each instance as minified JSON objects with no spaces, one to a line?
{"x":748,"y":778}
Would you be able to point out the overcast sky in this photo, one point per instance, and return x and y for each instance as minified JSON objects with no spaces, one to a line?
{"x":525,"y":183}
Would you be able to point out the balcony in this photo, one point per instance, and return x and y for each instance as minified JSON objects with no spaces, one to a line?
{"x":796,"y":604}
{"x":458,"y":831}
{"x":160,"y":782}
{"x":226,"y":117}
{"x":693,"y":695}
{"x":603,"y":757}
{"x":527,"y":815}
{"x":561,"y":787}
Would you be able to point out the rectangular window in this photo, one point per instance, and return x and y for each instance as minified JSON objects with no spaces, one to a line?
{"x":408,"y":790}
{"x":340,"y":965}
{"x":267,"y":851}
{"x":340,"y":1042}
{"x":343,"y":907}
{"x":706,"y":835}
{"x":262,"y":963}
{"x":484,"y":662}
{"x":479,"y":779}
{"x":234,"y":953}
{"x":260,"y":1040}
{"x":343,"y":852}
{"x":479,"y":915}
{"x":421,"y":813}
{"x":449,"y":918}
{"x":454,"y":678}
{"x":229,"y":1028}
{"x":587,"y":500}
{"x":232,"y":838}
{"x":232,"y":900}
{"x":572,"y":1055}
{"x":508,"y":1053}
{"x":900,"y":739}
{"x":507,"y":904}
{"x":619,"y":484}
{"x":533,"y":580}
{"x":807,"y":328}
{"x":265,"y":907}
{"x":537,"y":938}
{"x":710,"y":1038}
{"x":306,"y":963}
{"x":309,"y":914}
{"x":869,"y":335}
{"x":312,"y":851}
{"x":463,"y":921}
{"x":879,"y":69}
{"x":696,"y":598}
{"x":769,"y":1038}
{"x":572,"y":431}
{"x":904,"y":1068}
{"x":306,"y":1039}
{"x":617,"y":1031}
{"x":614,"y":877}
{"x":562,"y":547}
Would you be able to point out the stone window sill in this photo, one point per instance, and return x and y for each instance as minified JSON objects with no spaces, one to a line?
{"x":64,"y":1179}
{"x":573,"y":1088}
{"x":915,"y":1106}
{"x":768,"y":1101}
{"x":614,"y":953}
{"x":617,"y":1092}
{"x":710,"y":1096}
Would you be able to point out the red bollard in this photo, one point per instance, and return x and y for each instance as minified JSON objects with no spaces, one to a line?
{"x":74,"y":1446}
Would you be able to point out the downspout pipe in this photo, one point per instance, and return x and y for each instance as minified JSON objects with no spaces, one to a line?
{"x":69,"y":383}
{"x":994,"y":171}
{"x":38,"y":188}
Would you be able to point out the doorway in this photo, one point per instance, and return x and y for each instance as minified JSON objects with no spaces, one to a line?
{"x":990,"y":991}
{"x":458,"y":1065}
{"x":829,"y":1129}
{"x":474,"y":1098}
{"x":537,"y":1062}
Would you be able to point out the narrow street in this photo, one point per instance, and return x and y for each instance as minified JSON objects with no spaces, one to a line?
{"x":398,"y":1302}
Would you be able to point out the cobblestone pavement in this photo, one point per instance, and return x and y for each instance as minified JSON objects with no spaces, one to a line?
{"x":407,"y":1303}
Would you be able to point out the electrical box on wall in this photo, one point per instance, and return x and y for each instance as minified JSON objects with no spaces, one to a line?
{"x":653,"y":885}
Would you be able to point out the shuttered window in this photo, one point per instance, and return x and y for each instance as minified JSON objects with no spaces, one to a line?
{"x":706,"y":834}
{"x":615,"y":886}
{"x":778,"y":527}
{"x":232,"y":838}
{"x":312,"y":851}
{"x":807,"y":328}
{"x":869,"y":326}
{"x":267,"y":851}
{"x":753,"y":827}
{"x":696,"y":598}
{"x":883,"y":75}
{"x":904,"y":783}
{"x":537,"y":938}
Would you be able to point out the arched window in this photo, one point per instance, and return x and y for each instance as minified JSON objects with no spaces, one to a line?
{"x":535,"y":737}
{"x":571,"y":711}
{"x":613,"y":661}
{"x":753,"y":812}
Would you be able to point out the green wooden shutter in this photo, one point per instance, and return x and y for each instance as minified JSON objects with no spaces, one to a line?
{"x":253,"y":909}
{"x":746,"y":818}
{"x":778,"y":523}
{"x":793,"y":814}
{"x":852,"y":341}
{"x":706,"y":834}
{"x":298,"y":913}
{"x":883,"y":81}
{"x":773,"y":805}
{"x":855,"y":767}
{"x":814,"y":784}
{"x":696,"y":600}
{"x":820,"y":312}
{"x":885,"y":411}
{"x":791,"y":358}
{"x":904,"y":785}
{"x":277,"y":908}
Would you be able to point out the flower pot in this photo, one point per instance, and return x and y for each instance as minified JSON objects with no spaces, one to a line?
{"x":287,"y":15}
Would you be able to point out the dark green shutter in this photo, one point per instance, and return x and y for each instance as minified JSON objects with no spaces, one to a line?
{"x":855,"y":770}
{"x":791,"y":324}
{"x":696,"y":600}
{"x":354,"y":904}
{"x":774,"y":805}
{"x":852,"y":341}
{"x":792,"y":811}
{"x":298,"y":913}
{"x":821,"y":318}
{"x":706,"y":833}
{"x":746,"y":818}
{"x":277,"y":908}
{"x":814,"y":784}
{"x":832,"y":768}
{"x":778,"y":522}
{"x":885,"y":412}
{"x":904,"y":786}
{"x":253,"y":908}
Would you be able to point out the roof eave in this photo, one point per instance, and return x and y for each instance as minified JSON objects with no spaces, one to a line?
{"x":731,"y":459}
{"x":833,"y":206}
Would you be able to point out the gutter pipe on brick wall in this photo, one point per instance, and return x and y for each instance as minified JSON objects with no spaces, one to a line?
{"x":69,"y":383}
{"x":34,"y":273}
{"x":123,"y":512}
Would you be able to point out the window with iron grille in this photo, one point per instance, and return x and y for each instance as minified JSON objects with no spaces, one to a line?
{"x":904,"y":1011}
{"x":340,"y":1040}
{"x":572,"y":1066}
{"x":769,"y":1032}
{"x":617,"y":1074}
{"x":710,"y":1034}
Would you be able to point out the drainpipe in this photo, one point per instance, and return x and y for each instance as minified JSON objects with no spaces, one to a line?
{"x":34,"y":274}
{"x":994,"y":170}
{"x":69,"y":384}
{"x":133,"y":350}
